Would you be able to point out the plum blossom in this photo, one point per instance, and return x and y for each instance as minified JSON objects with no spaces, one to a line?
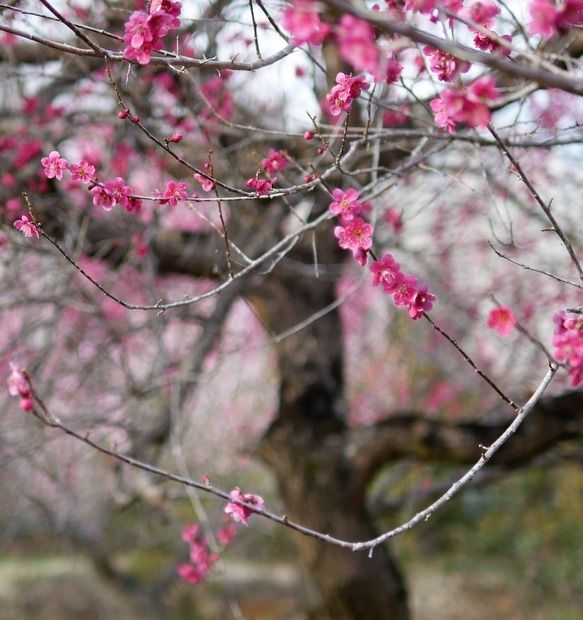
{"x":469,"y":105}
{"x":354,"y":235}
{"x":345,"y":204}
{"x":502,"y":320}
{"x":446,"y":66}
{"x":405,"y":290}
{"x":54,"y":165}
{"x":241,"y":514}
{"x":261,"y":186}
{"x":118,"y":191}
{"x":27,"y":227}
{"x":421,"y":302}
{"x":275,"y":161}
{"x":549,"y":19}
{"x":207,"y":184}
{"x":385,"y":273}
{"x":19,"y":385}
{"x":568,"y":343}
{"x":347,"y":88}
{"x":356,"y":44}
{"x":144,"y":31}
{"x":201,"y":559}
{"x":303,"y":22}
{"x":102,"y":198}
{"x":82,"y":172}
{"x":172,"y":194}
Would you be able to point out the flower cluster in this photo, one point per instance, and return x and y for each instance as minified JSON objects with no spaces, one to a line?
{"x":550,"y":19}
{"x":19,"y":385}
{"x":483,"y":14}
{"x":240,"y":514}
{"x":356,"y":235}
{"x":347,"y":88}
{"x":105,"y":195}
{"x":568,"y":342}
{"x":466,"y":105}
{"x":201,"y":559}
{"x":404,"y":289}
{"x":144,"y":31}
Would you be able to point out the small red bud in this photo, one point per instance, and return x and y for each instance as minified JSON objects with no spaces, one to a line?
{"x":123,"y":114}
{"x":320,"y":151}
{"x":175,"y":138}
{"x":308,"y":135}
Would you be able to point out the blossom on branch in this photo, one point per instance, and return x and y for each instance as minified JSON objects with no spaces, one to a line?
{"x":54,"y":165}
{"x":355,"y":235}
{"x":568,"y":342}
{"x":27,"y":227}
{"x":469,"y":105}
{"x":144,"y":31}
{"x":502,"y":320}
{"x":262,"y":187}
{"x":240,"y":514}
{"x":82,"y":172}
{"x":19,"y":385}
{"x":275,"y":161}
{"x":345,"y":204}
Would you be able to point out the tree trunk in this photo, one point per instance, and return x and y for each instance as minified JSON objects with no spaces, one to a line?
{"x":306,"y":448}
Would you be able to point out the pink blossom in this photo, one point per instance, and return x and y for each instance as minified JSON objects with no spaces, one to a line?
{"x":393,"y":70}
{"x":190,"y":532}
{"x":133,"y":204}
{"x":446,"y":66}
{"x":405,"y":290}
{"x":54,"y":165}
{"x":18,"y":382}
{"x":261,"y":186}
{"x":356,"y":43}
{"x":207,"y":184}
{"x":385,"y":273}
{"x":27,"y":227}
{"x":240,"y":514}
{"x":352,"y":86}
{"x":337,"y":102}
{"x":421,"y":302}
{"x":487,"y":43}
{"x":304,"y":24}
{"x":226,"y":535}
{"x":549,"y":19}
{"x":502,"y":320}
{"x":470,"y":105}
{"x":568,"y":343}
{"x":201,"y":560}
{"x":482,"y":13}
{"x":82,"y":172}
{"x":102,"y":198}
{"x":143,"y":31}
{"x":118,"y":191}
{"x":275,"y":161}
{"x":356,"y":234}
{"x":346,"y":204}
{"x":360,"y":256}
{"x":172,"y":194}
{"x":170,"y":7}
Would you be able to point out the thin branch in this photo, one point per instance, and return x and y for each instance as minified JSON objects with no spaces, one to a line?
{"x":543,"y":205}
